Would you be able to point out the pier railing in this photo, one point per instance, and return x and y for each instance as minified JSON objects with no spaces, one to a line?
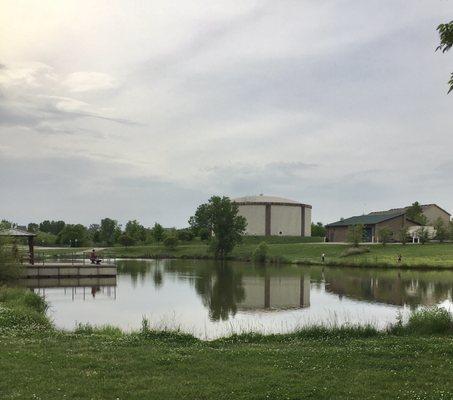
{"x":71,"y":258}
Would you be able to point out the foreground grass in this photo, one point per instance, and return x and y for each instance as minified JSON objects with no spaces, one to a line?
{"x":97,"y":367}
{"x":39,"y":362}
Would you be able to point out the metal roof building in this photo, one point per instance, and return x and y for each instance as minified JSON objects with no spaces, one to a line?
{"x":372,"y":223}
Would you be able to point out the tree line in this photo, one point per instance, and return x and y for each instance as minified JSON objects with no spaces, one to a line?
{"x":106,"y":233}
{"x":216,"y":221}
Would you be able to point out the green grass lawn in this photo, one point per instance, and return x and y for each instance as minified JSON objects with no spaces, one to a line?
{"x":95,"y":367}
{"x":439,"y":255}
{"x":434,"y":254}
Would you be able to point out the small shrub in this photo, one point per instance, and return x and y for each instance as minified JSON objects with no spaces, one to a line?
{"x":426,"y":321}
{"x":430,"y":321}
{"x":403,"y":235}
{"x":10,"y":269}
{"x":441,"y":230}
{"x":185,"y":235}
{"x":355,"y":251}
{"x":260,"y":252}
{"x":126,"y":240}
{"x":104,"y":330}
{"x":384,"y":235}
{"x":355,"y":235}
{"x":170,"y":242}
{"x":423,"y":235}
{"x":18,"y":297}
{"x":22,"y":309}
{"x":204,"y":234}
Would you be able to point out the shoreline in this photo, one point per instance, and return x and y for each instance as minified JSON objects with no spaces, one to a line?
{"x":346,"y":264}
{"x":434,"y":256}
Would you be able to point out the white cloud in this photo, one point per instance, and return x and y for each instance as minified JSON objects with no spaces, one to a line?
{"x":84,"y":81}
{"x":30,"y":74}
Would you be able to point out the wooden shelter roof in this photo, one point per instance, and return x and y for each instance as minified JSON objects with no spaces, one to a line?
{"x":14,"y":232}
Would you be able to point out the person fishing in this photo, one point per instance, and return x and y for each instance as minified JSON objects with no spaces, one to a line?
{"x":93,"y":257}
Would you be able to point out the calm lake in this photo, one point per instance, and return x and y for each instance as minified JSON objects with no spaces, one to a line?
{"x":209,"y":299}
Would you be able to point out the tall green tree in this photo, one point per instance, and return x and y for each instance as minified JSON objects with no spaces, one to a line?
{"x":446,"y":43}
{"x":221,"y":216}
{"x":136,"y":231}
{"x":4,"y":224}
{"x":110,"y":231}
{"x":415,"y":213}
{"x":45,"y":239}
{"x":318,"y":229}
{"x":158,"y":232}
{"x":32,"y":227}
{"x":94,"y":233}
{"x":74,"y":235}
{"x":54,"y":227}
{"x":201,"y":223}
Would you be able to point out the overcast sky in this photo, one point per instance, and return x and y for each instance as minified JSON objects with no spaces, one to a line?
{"x":144,"y":109}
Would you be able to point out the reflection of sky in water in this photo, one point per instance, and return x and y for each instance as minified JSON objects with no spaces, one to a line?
{"x":209,"y":300}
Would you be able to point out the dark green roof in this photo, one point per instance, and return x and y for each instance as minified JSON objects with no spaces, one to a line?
{"x":369,"y":219}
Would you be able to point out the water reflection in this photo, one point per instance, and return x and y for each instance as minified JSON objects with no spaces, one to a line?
{"x":208,"y":295}
{"x":401,"y":288}
{"x":74,"y":287}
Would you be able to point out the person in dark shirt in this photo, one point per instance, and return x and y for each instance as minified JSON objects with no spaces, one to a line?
{"x":93,"y":257}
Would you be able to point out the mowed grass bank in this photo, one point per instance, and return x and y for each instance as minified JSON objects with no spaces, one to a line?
{"x":428,"y":255}
{"x":100,"y":367}
{"x":39,"y":362}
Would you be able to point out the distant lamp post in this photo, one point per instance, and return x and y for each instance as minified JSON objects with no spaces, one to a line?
{"x":76,"y":242}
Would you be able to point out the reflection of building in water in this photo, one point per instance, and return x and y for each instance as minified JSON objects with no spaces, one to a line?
{"x":275,"y":292}
{"x":395,"y":290}
{"x":75,"y":288}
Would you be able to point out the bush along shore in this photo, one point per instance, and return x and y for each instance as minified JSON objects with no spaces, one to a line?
{"x":408,"y":360}
{"x":429,"y":256}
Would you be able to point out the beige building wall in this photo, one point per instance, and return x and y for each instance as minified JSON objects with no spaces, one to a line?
{"x":256,"y":219}
{"x":307,"y":227}
{"x":433,"y":212}
{"x":286,"y":220}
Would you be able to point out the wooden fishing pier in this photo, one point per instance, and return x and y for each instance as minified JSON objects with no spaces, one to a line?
{"x":68,"y":270}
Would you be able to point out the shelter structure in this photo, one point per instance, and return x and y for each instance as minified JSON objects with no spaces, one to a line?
{"x":20,"y":233}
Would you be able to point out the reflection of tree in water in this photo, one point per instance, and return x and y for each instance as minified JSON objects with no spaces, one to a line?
{"x":158,"y":277}
{"x":220,"y":287}
{"x":134,"y":268}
